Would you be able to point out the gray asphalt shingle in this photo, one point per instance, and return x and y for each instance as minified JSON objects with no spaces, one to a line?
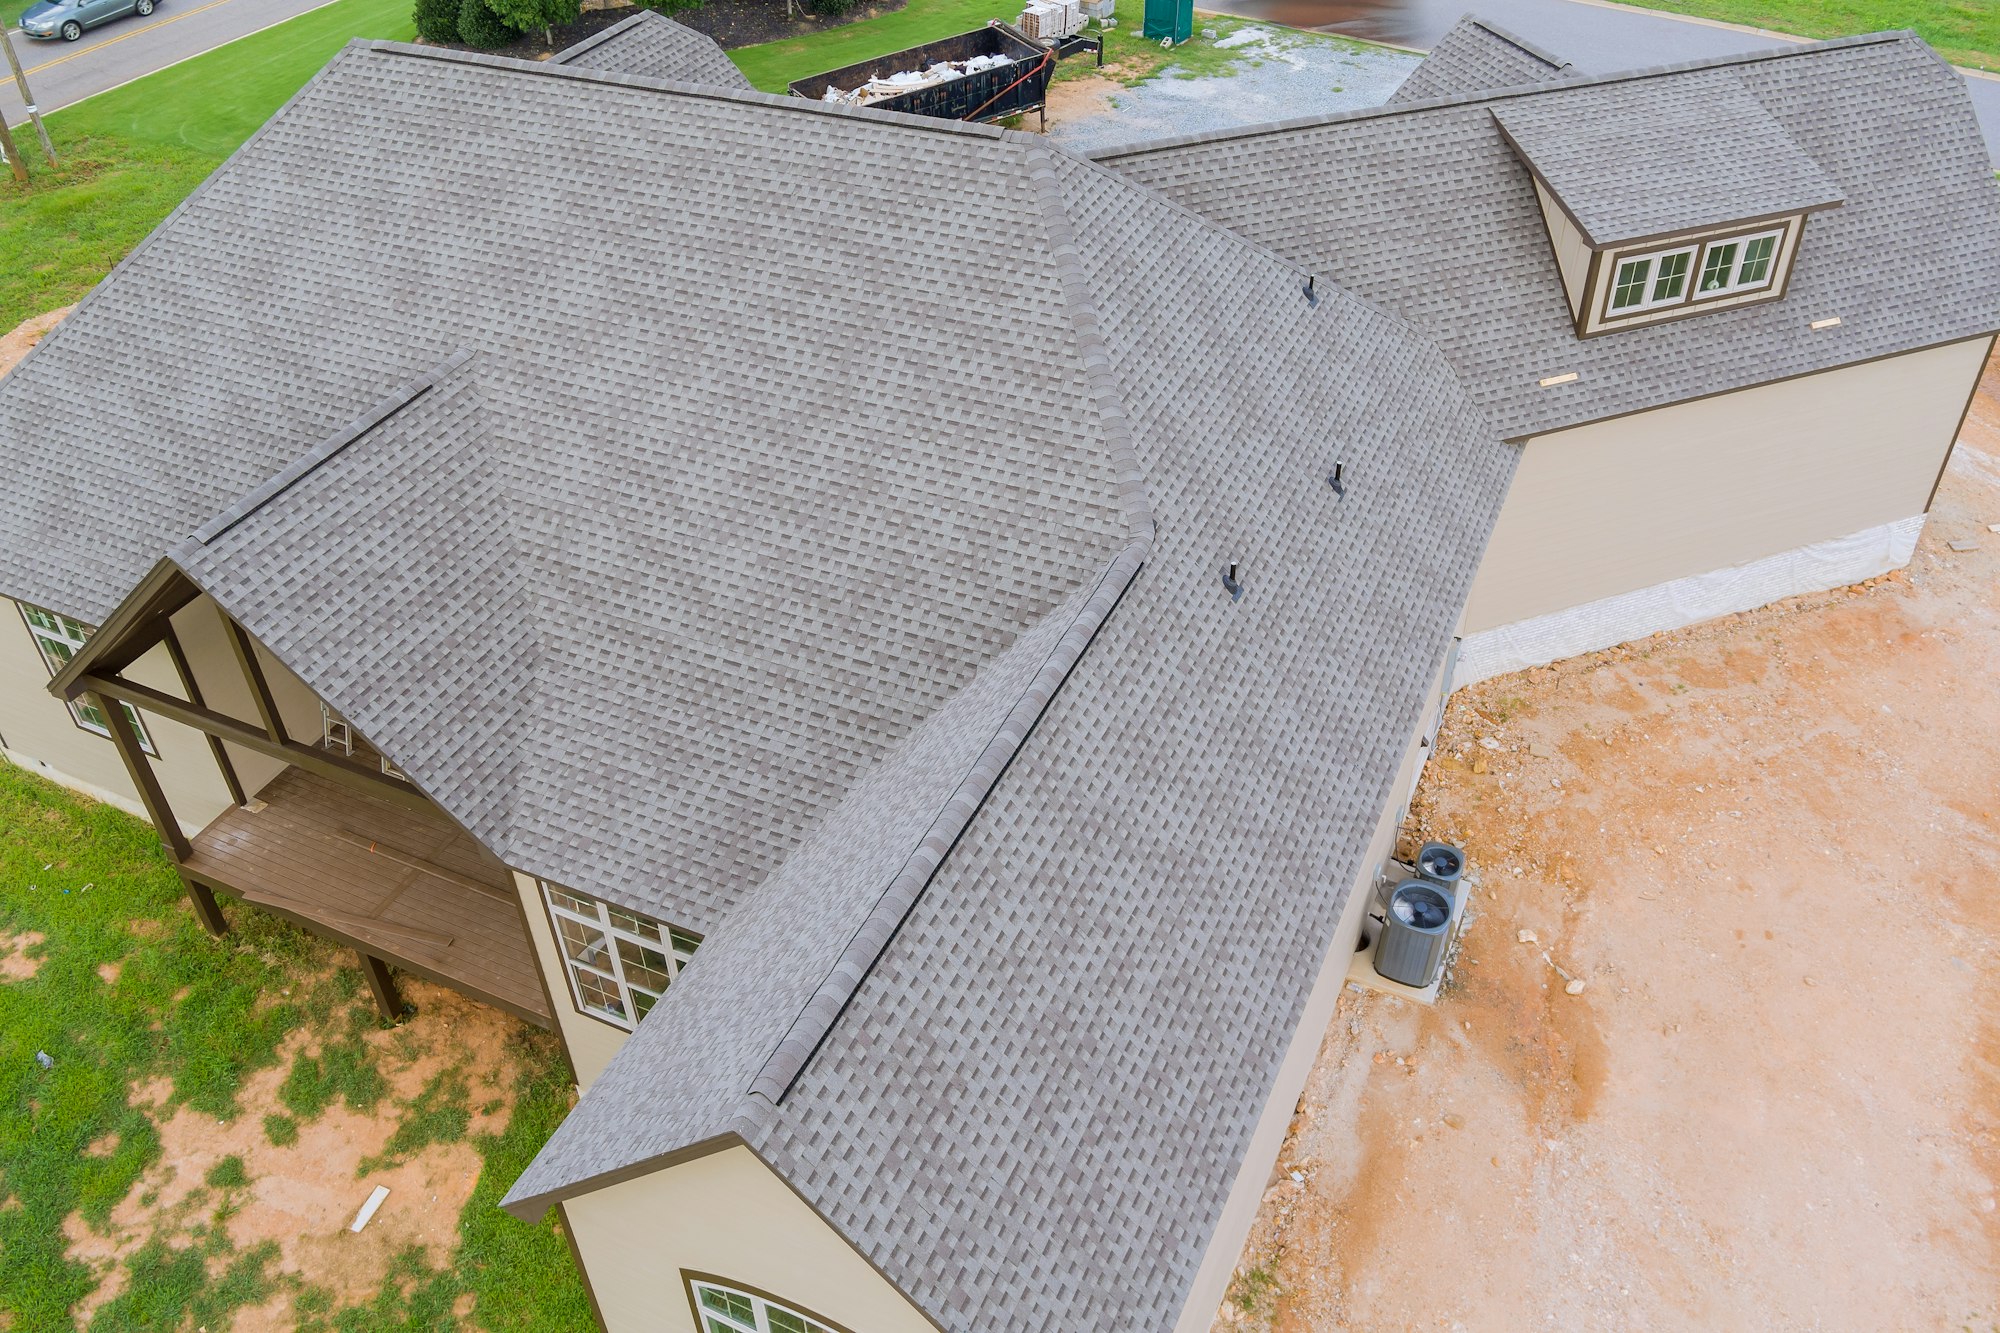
{"x":1731,"y":159}
{"x":1427,"y":211}
{"x":653,"y":46}
{"x":1475,"y":56}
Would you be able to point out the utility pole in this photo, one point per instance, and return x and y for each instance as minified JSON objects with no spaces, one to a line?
{"x":21,"y":82}
{"x":12,"y":154}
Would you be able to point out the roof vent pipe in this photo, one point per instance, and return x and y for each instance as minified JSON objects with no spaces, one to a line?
{"x":1336,"y":480}
{"x":1232,"y":580}
{"x":1312,"y":298}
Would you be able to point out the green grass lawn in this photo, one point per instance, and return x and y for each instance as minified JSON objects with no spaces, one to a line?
{"x":203,"y":1015}
{"x":1965,"y":32}
{"x":130,"y":155}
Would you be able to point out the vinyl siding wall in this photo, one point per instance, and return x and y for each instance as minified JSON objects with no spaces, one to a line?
{"x":728,"y":1215}
{"x":1621,"y":505}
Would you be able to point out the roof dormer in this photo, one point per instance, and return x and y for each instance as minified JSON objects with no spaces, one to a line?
{"x":1667,"y":208}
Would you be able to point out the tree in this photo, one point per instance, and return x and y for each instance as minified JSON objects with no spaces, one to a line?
{"x":528,"y":15}
{"x":437,"y":20}
{"x":479,"y":26}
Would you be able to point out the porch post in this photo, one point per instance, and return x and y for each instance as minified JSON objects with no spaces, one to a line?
{"x":140,"y":769}
{"x":260,"y":688}
{"x":383,"y":986}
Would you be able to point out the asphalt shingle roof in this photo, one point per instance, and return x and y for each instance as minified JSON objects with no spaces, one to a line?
{"x":1427,"y":211}
{"x":768,"y":531}
{"x":1475,"y":56}
{"x":653,"y":46}
{"x":1731,"y":159}
{"x":1018,"y":1104}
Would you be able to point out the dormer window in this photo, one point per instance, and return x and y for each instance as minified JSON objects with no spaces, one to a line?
{"x":1683,"y":236}
{"x":1687,"y":275}
{"x":1649,"y":281}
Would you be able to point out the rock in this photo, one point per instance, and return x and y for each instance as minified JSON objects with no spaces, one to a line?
{"x":1489,"y":743}
{"x":1541,"y":751}
{"x":1575,"y":986}
{"x":1962,"y":546}
{"x":1527,"y":937}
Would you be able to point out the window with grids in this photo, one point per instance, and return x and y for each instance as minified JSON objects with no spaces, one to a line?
{"x":727,"y":1310}
{"x":619,"y":963}
{"x":1689,"y":274}
{"x":59,"y":638}
{"x":1739,"y":265}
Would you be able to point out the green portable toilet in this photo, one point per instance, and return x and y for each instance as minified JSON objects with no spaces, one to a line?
{"x":1169,"y":18}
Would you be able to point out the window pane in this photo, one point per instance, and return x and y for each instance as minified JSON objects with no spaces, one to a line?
{"x":582,"y":944}
{"x":1757,"y":260}
{"x":571,"y":902}
{"x":684,"y":943}
{"x":55,"y":648}
{"x":732,"y":1303}
{"x":1719,"y":267}
{"x":645,"y":967}
{"x":636,"y":925}
{"x":599,"y":992}
{"x":784,"y":1321}
{"x":1631,"y":289}
{"x":1672,"y":277}
{"x":89,"y":715}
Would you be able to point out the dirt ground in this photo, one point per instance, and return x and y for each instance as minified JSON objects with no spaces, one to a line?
{"x":1770,"y":847}
{"x":304,"y":1195}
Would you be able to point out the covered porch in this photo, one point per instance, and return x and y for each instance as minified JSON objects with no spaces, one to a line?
{"x":394,"y":884}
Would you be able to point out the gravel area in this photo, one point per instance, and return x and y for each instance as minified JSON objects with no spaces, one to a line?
{"x":1283,"y":74}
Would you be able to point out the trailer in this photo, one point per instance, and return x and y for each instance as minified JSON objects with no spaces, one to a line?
{"x":1011,"y":89}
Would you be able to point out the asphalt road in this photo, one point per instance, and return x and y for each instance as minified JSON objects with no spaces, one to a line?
{"x":1597,"y":38}
{"x":64,"y":72}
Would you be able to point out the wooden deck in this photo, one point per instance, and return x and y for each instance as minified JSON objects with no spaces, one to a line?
{"x":413,"y":891}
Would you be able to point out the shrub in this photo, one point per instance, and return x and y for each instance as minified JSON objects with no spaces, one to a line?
{"x":437,"y":20}
{"x":479,"y":26}
{"x":536,"y":15}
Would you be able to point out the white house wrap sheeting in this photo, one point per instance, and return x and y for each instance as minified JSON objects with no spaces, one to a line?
{"x":1681,"y":602}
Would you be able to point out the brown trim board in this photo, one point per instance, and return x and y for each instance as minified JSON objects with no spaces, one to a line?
{"x":1977,"y":377}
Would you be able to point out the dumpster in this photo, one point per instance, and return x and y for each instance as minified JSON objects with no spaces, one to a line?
{"x":991,"y":91}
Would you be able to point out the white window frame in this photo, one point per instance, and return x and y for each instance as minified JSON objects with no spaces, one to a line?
{"x":1735,"y":285}
{"x":1651,"y":259}
{"x":59,"y":638}
{"x":607,"y":972}
{"x":728,"y":1307}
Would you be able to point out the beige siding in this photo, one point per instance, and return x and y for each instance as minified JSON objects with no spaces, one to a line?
{"x":726,"y":1215}
{"x":1610,"y":508}
{"x":1572,"y":251}
{"x":1225,"y":1245}
{"x":591,"y":1042}
{"x":40,"y":734}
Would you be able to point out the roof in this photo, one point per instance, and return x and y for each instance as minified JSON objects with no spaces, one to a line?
{"x":1425,"y":209}
{"x":1477,"y":56}
{"x":1608,"y":173}
{"x":653,"y":46}
{"x":1012,"y":1099}
{"x":764,"y":534}
{"x":890,"y":653}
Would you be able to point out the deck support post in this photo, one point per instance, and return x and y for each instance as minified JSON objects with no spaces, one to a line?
{"x":206,"y":909}
{"x":382,"y":984}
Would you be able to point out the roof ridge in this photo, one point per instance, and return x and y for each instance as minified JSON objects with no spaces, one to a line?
{"x":750,"y":97}
{"x":1388,"y":109}
{"x":329,"y":447}
{"x":597,"y":39}
{"x":1547,"y":57}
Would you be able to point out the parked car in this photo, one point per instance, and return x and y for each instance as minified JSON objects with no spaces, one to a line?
{"x":68,"y":18}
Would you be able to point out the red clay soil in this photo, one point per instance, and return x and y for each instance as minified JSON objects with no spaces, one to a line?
{"x":1769,"y":845}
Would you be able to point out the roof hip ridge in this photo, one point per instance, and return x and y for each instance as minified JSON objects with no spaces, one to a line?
{"x":815,"y":1019}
